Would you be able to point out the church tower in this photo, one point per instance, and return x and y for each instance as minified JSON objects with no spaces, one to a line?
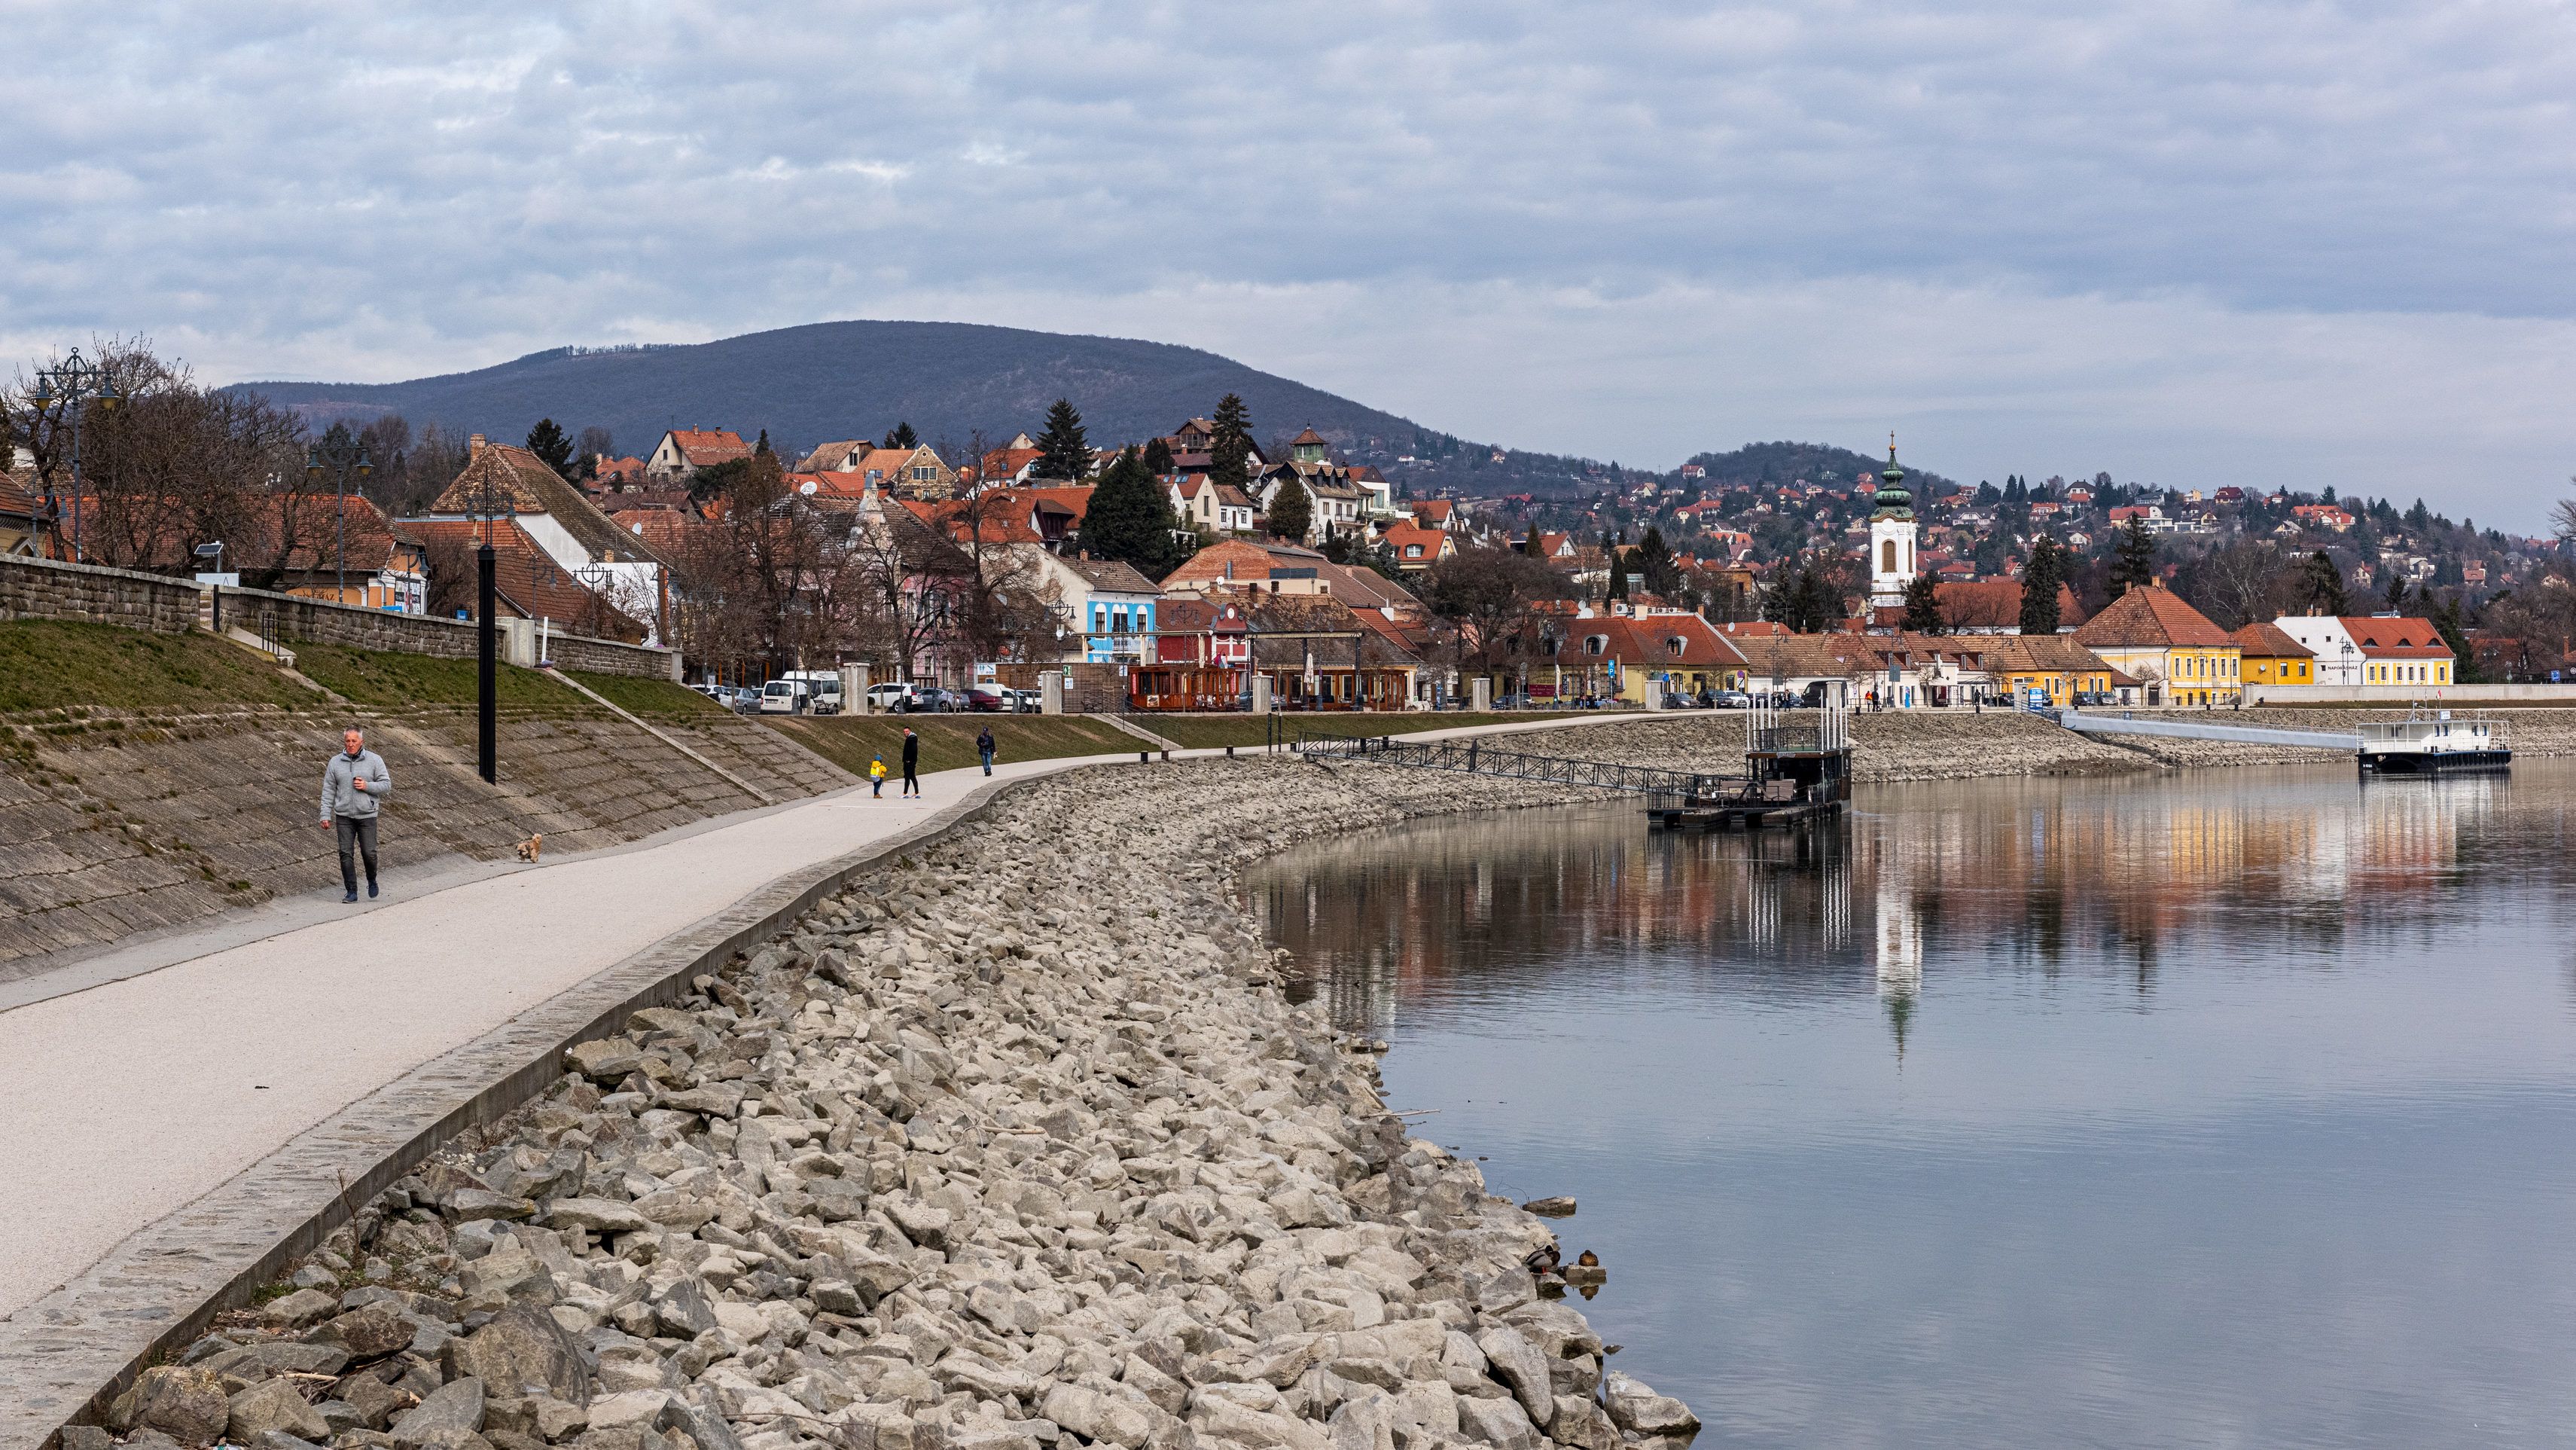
{"x":1891,"y":536}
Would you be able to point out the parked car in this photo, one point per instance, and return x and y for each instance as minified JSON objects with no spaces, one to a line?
{"x":1681,"y":700}
{"x":1734,"y":700}
{"x":992,"y":698}
{"x":784,"y":697}
{"x":1025,"y":702}
{"x":887,"y":697}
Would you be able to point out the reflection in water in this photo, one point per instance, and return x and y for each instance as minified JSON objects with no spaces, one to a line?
{"x":2129,"y":1111}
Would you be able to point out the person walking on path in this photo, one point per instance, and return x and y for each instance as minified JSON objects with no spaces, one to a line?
{"x":984,"y":747}
{"x":352,"y":785}
{"x":911,"y":762}
{"x":876,"y":775}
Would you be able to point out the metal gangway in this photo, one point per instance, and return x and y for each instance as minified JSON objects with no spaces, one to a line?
{"x":1471,"y":757}
{"x":2180,"y":729}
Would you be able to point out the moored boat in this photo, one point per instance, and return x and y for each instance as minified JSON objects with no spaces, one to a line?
{"x":2439,"y":742}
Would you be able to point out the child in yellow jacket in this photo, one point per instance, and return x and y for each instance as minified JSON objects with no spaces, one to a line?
{"x":876,"y":777}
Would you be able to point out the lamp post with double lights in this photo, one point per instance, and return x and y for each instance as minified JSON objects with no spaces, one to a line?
{"x":314,"y":468}
{"x":75,"y":383}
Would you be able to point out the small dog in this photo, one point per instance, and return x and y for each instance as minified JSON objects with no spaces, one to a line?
{"x":529,"y":847}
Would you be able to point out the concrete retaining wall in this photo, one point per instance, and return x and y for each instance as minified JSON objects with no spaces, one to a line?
{"x":45,"y":589}
{"x":2406,"y":694}
{"x":287,"y":618}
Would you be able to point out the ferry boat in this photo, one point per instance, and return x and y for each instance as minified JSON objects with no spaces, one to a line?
{"x":2435,"y":743}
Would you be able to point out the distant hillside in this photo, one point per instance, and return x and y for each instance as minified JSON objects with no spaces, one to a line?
{"x":831,"y":380}
{"x":1764,"y":464}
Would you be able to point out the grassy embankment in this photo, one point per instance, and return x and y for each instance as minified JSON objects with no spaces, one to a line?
{"x":48,"y":664}
{"x":1208,"y":731}
{"x":948,"y":741}
{"x":388,"y":679}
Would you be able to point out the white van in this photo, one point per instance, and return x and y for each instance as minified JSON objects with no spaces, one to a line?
{"x":783,"y":697}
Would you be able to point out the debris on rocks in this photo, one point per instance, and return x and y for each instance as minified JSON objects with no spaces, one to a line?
{"x":1558,"y":1207}
{"x":1013,"y":1145}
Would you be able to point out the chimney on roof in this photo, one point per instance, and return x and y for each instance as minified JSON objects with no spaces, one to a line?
{"x":474,"y":446}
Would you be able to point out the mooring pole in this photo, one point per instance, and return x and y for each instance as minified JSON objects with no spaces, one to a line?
{"x":487,"y":745}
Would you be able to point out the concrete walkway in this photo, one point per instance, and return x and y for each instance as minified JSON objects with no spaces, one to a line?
{"x":132,"y":1089}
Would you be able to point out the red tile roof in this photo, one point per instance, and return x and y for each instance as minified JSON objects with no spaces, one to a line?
{"x":2151,"y":617}
{"x":2397,"y":639}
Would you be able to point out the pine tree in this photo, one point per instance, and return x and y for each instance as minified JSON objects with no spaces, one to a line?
{"x":1658,"y":573}
{"x":552,"y":447}
{"x":1618,"y":574}
{"x":2396,"y":590}
{"x":2040,"y":579}
{"x":2464,"y":661}
{"x":1530,"y":545}
{"x":1922,"y":606}
{"x":761,"y":447}
{"x":1230,"y":445}
{"x":1292,"y":513}
{"x":1064,"y":453}
{"x":1158,"y":457}
{"x":2134,"y":564}
{"x":2322,"y":584}
{"x":1130,"y":519}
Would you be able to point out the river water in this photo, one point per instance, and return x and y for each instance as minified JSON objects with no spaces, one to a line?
{"x":2229,"y":1108}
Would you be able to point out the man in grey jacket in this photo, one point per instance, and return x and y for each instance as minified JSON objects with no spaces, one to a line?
{"x":352,"y":784}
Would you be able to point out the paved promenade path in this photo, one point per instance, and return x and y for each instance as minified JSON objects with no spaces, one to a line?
{"x":126,"y":1098}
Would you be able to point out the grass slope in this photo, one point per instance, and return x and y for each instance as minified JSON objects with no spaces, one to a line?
{"x":387,"y":680}
{"x":58,"y":664}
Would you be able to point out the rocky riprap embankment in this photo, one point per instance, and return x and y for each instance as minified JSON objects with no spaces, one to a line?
{"x":1014,"y":1144}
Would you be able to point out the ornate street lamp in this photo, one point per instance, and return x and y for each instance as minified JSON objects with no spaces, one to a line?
{"x":75,"y":383}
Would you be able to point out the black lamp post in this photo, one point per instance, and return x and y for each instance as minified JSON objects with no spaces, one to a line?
{"x":487,"y":503}
{"x":313,"y":469}
{"x":75,"y":382}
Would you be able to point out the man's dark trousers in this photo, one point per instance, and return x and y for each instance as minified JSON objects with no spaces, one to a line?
{"x":357,"y":838}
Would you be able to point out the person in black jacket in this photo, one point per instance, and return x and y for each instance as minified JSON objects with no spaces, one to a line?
{"x":984,"y":747}
{"x":911,"y":762}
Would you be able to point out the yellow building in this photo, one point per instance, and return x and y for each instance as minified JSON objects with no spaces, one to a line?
{"x":2273,"y":658}
{"x":2062,"y":671}
{"x":2178,"y":656}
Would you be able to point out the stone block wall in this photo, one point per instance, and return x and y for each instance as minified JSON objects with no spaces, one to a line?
{"x":46,"y":589}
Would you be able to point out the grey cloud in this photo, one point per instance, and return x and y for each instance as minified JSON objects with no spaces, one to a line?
{"x":393,"y":189}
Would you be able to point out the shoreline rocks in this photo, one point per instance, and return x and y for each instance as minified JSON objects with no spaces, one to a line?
{"x":1013,"y":1145}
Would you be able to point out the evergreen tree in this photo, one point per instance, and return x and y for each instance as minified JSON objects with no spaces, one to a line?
{"x":2133,"y":565}
{"x":2396,"y":590}
{"x":902,"y":436}
{"x":1158,"y":457}
{"x":2464,"y":661}
{"x":1230,"y":445}
{"x":1530,"y":545}
{"x":1658,"y":573}
{"x":1618,"y":574}
{"x":2321,"y":584}
{"x":1063,"y":451}
{"x":1292,"y":513}
{"x":552,"y":447}
{"x":1922,"y":606}
{"x":1130,"y":519}
{"x":2039,"y":581}
{"x":762,"y":447}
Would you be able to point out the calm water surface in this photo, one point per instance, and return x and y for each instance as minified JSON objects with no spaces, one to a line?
{"x":2235,"y":1108}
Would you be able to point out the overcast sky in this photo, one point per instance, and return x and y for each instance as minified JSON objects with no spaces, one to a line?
{"x":2195,"y":242}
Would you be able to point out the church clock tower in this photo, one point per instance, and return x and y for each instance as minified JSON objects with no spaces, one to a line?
{"x":1891,"y":536}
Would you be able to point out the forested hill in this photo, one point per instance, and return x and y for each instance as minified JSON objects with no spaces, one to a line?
{"x":1766,"y":464}
{"x":831,"y":380}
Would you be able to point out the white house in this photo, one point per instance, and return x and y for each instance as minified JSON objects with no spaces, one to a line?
{"x":2339,"y":656}
{"x":1104,"y":610}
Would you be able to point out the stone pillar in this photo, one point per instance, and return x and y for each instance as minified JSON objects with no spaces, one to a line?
{"x":1480,"y":693}
{"x":518,"y":641}
{"x":1260,"y":694}
{"x":1654,"y":693}
{"x":854,"y":690}
{"x":1051,"y":693}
